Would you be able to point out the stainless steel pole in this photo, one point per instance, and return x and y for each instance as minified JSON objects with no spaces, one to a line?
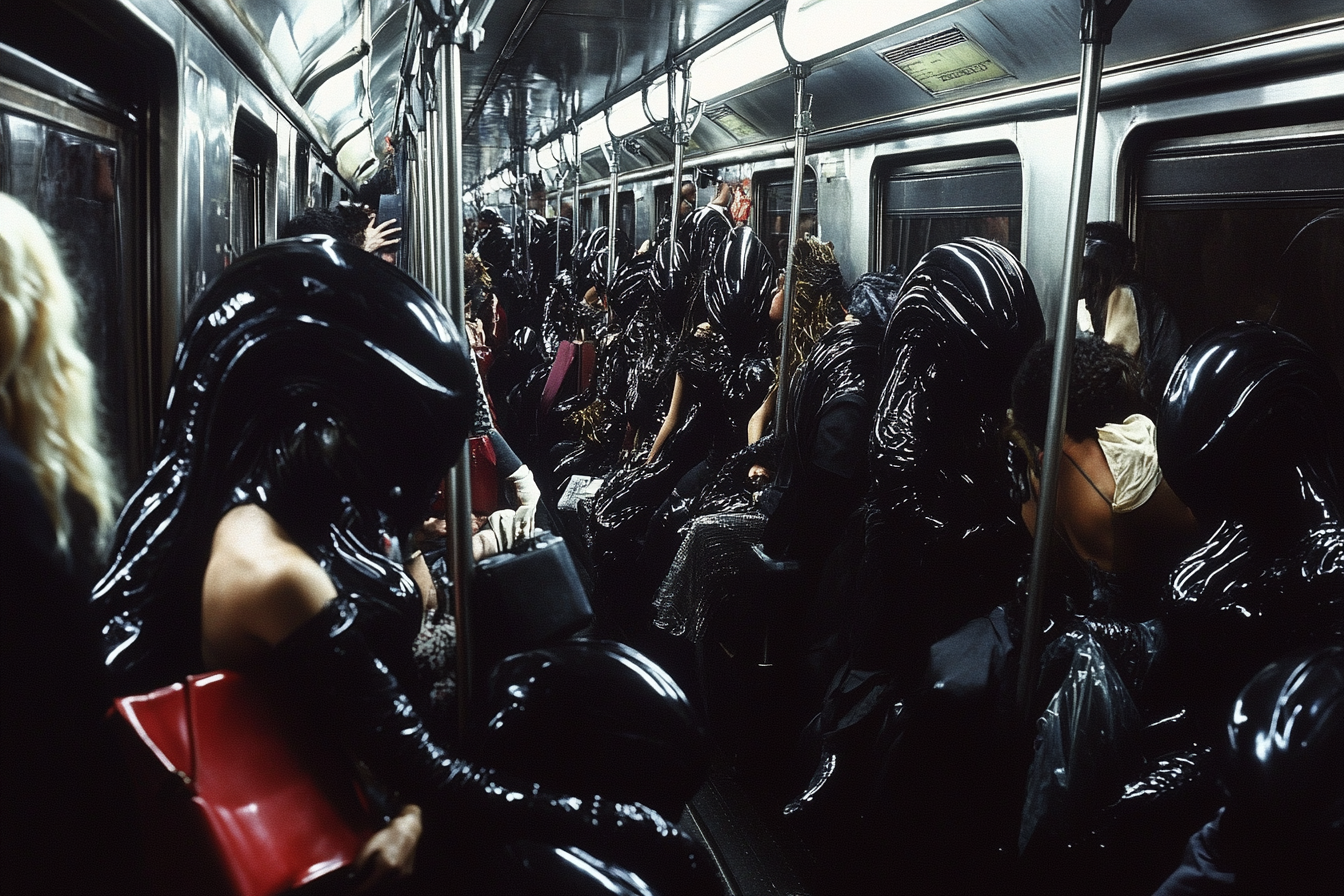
{"x":612,"y":207}
{"x":574,"y":209}
{"x":1099,"y":16}
{"x":802,"y":126}
{"x":448,"y":75}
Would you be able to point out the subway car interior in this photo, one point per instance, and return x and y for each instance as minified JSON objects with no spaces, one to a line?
{"x":748,"y":447}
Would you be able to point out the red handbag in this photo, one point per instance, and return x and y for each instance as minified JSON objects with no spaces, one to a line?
{"x":235,"y":798}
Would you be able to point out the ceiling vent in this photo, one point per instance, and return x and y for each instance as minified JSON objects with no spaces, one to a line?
{"x":948,"y":60}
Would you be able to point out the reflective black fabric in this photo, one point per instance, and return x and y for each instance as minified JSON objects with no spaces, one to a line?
{"x":1250,"y":433}
{"x":726,"y":375}
{"x":495,"y":248}
{"x":944,"y":538}
{"x":310,"y":374}
{"x":738,"y":291}
{"x":872,"y":297}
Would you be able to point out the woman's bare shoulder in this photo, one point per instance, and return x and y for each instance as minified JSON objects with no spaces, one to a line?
{"x":259,"y":585}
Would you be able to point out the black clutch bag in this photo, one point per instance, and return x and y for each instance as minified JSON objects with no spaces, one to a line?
{"x":528,"y":597}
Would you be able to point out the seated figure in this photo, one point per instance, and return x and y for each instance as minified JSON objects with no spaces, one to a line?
{"x":1250,"y":434}
{"x":1123,"y":526}
{"x":319,"y":396}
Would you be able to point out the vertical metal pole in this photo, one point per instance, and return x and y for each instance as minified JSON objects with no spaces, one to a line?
{"x":612,"y":207}
{"x":574,"y":209}
{"x":448,"y":76}
{"x":802,"y":126}
{"x":676,"y":130}
{"x":1097,"y":22}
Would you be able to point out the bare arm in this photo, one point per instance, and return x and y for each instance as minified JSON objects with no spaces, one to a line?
{"x":259,"y":587}
{"x":756,"y":425}
{"x":669,"y":422}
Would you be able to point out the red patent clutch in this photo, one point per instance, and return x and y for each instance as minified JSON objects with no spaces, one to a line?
{"x":235,"y":797}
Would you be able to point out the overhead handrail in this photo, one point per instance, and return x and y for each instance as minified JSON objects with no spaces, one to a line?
{"x":1098,"y":20}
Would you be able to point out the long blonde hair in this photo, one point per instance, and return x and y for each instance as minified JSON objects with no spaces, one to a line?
{"x":48,"y":399}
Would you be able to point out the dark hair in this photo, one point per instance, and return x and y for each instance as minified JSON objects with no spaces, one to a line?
{"x":1103,"y":388}
{"x":318,"y":221}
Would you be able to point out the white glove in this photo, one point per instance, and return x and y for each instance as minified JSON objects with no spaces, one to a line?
{"x":528,"y":495}
{"x":501,"y":523}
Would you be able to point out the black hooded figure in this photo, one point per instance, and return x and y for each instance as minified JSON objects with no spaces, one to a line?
{"x":1281,"y":828}
{"x":1250,"y":434}
{"x":326,"y":390}
{"x":720,"y":374}
{"x":941,"y":541}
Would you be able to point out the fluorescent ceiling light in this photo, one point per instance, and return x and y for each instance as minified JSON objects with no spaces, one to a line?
{"x":546,"y":156}
{"x":817,"y":28}
{"x":750,"y":56}
{"x":593,"y":133}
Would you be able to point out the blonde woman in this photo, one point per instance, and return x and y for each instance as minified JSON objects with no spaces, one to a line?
{"x":60,"y":791}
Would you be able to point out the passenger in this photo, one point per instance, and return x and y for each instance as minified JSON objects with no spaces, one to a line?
{"x":1123,"y":525}
{"x":1250,"y":435}
{"x":942,"y":540}
{"x":66,"y":828}
{"x":319,"y":395}
{"x":1116,"y":306}
{"x":1281,"y":829}
{"x":318,"y":221}
{"x":822,"y":465}
{"x":737,"y":484}
{"x":720,"y":375}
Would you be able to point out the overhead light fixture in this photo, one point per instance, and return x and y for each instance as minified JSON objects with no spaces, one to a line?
{"x":593,"y":133}
{"x":748,"y":57}
{"x":817,"y":28}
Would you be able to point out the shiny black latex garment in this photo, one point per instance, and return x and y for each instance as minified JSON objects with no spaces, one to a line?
{"x":567,"y":316}
{"x":944,"y":539}
{"x":315,"y":363}
{"x":725,"y":374}
{"x":873,"y":295}
{"x":1250,"y":432}
{"x":595,"y":717}
{"x":822,"y":476}
{"x":495,"y":248}
{"x":333,"y":673}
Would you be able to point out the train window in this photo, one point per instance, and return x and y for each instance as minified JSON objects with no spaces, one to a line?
{"x":328,"y":188}
{"x":245,"y":217}
{"x":253,"y":155}
{"x":301,"y":192}
{"x":774,"y":199}
{"x":625,"y":213}
{"x":1248,"y":226}
{"x":930,"y":203}
{"x":77,"y":172}
{"x":662,"y":201}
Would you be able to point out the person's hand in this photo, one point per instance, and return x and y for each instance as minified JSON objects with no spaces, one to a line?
{"x":390,"y":853}
{"x":431,"y":533}
{"x":384,"y":234}
{"x":502,"y":525}
{"x":759,"y":476}
{"x":529,"y":496}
